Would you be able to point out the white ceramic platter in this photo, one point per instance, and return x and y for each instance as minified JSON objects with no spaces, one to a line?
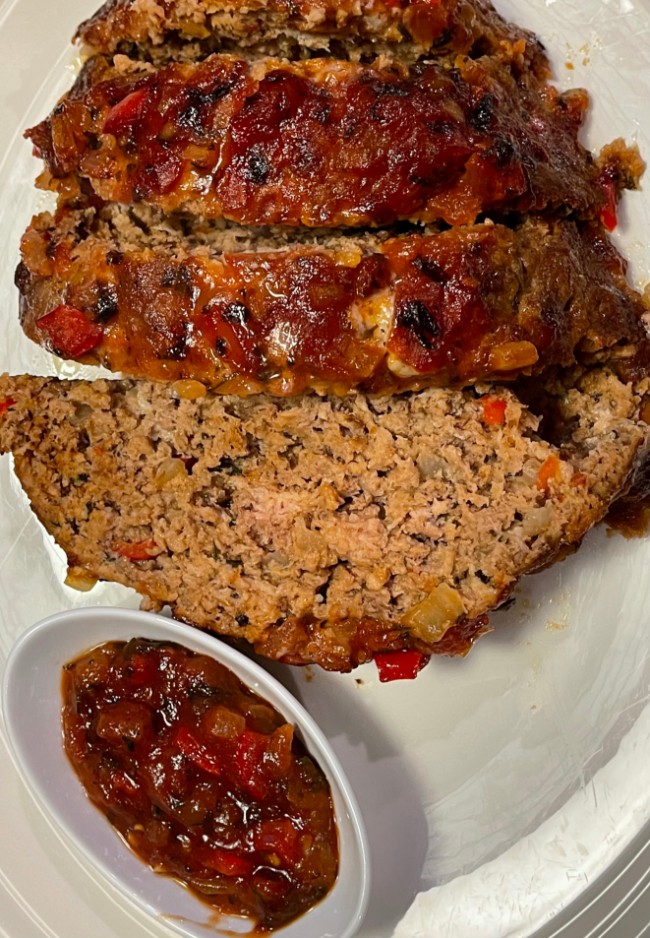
{"x":505,"y":794}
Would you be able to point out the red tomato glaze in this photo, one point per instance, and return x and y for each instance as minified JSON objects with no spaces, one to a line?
{"x":203,"y":778}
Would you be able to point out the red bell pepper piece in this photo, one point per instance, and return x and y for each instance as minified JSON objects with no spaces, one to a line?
{"x":548,"y":471}
{"x":136,"y":550}
{"x":142,"y":670}
{"x":400,"y":665}
{"x":249,"y":761}
{"x":196,"y":752}
{"x":163,"y":171}
{"x":226,"y":862}
{"x":6,"y":404}
{"x":609,"y":211}
{"x":123,"y":115}
{"x":494,"y":411}
{"x":71,"y":333}
{"x":121,"y":782}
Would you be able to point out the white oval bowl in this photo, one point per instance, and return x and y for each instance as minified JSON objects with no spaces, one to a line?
{"x":31,"y":700}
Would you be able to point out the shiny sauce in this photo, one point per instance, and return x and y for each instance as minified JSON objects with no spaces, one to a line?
{"x":322,"y":144}
{"x":630,"y":517}
{"x":204,"y":779}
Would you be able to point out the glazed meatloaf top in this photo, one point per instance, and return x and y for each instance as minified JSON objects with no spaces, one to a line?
{"x":324,"y":142}
{"x":404,"y":28}
{"x":319,"y":529}
{"x":173,"y":298}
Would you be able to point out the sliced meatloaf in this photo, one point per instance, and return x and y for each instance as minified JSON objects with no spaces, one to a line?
{"x":295,"y":28}
{"x":170,"y":298}
{"x":319,"y":529}
{"x":324,"y":142}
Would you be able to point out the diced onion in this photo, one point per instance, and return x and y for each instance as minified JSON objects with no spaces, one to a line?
{"x":80,"y":580}
{"x":537,"y":520}
{"x":512,"y":356}
{"x":188,"y":389}
{"x":192,"y":30}
{"x":169,"y":469}
{"x":431,"y":618}
{"x":223,"y":722}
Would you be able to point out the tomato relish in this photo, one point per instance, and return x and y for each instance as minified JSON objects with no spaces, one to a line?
{"x":204,"y":779}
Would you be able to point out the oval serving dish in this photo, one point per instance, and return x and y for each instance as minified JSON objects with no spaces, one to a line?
{"x":31,"y":700}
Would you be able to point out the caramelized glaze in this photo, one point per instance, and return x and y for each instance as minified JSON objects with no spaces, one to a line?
{"x":324,"y":142}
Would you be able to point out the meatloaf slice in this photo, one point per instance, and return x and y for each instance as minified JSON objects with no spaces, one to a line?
{"x":323,"y":142}
{"x":319,"y":529}
{"x":345,"y":28}
{"x":169,"y":298}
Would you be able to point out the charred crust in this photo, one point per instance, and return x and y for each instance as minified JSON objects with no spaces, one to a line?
{"x":177,"y":276}
{"x":257,"y":167}
{"x":198,"y":101}
{"x":178,"y":350}
{"x":106,"y":306}
{"x":237,"y":314}
{"x":23,"y":277}
{"x":416,"y":317}
{"x":481,"y":117}
{"x":114,"y":258}
{"x":431,"y":269}
{"x":502,"y":151}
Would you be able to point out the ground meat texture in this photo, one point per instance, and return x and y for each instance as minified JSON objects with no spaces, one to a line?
{"x":323,"y":143}
{"x":321,"y":530}
{"x":204,"y":779}
{"x":457,"y":307}
{"x":405,"y":29}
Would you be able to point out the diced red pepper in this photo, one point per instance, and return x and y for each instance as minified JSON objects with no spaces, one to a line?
{"x":135,"y":551}
{"x":6,"y":404}
{"x":232,"y":333}
{"x":609,"y":211}
{"x":494,"y":411}
{"x":164,"y":171}
{"x":142,"y":670}
{"x":279,"y":836}
{"x":196,"y":752}
{"x":548,"y":471}
{"x":400,"y":665}
{"x":71,"y":333}
{"x":121,"y":782}
{"x":226,"y":862}
{"x":123,"y":115}
{"x":249,"y":760}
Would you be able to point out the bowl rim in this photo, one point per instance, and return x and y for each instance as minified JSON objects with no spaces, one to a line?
{"x":138,"y":623}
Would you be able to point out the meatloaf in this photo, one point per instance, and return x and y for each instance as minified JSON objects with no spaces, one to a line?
{"x":405,"y":29}
{"x":172,"y":298}
{"x":320,"y":530}
{"x":324,"y":142}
